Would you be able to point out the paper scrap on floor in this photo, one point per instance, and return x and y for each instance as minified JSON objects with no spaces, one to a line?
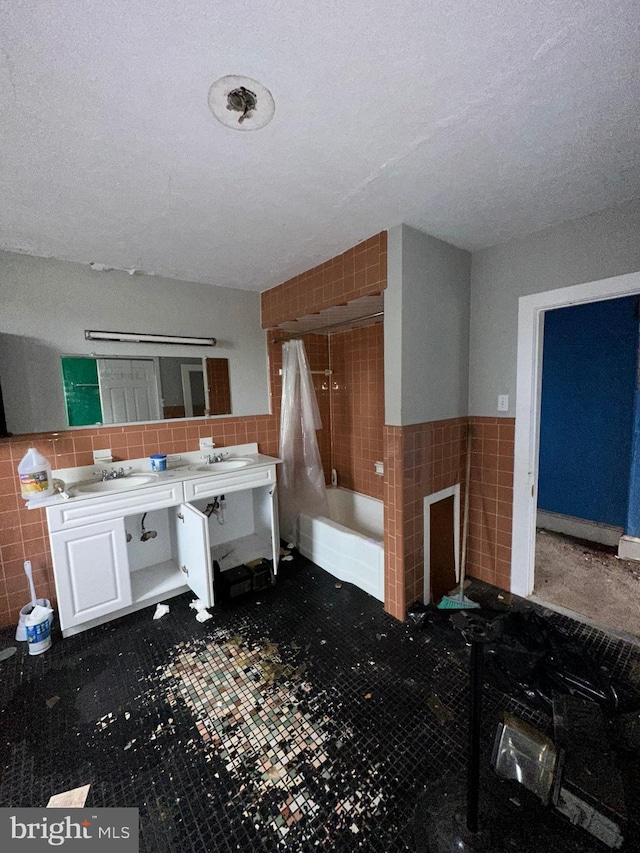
{"x":161,"y":610}
{"x":73,"y":799}
{"x":202,"y":614}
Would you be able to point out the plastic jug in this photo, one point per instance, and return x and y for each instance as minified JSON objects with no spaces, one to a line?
{"x":38,"y":627}
{"x":36,"y":479}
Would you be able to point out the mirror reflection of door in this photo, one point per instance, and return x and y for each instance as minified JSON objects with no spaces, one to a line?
{"x":128,"y":390}
{"x":193,"y":390}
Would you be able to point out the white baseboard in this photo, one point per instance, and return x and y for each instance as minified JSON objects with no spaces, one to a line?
{"x":629,"y":548}
{"x":580,"y":528}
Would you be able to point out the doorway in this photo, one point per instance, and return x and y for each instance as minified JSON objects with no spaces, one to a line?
{"x":193,"y":389}
{"x":531,"y":314}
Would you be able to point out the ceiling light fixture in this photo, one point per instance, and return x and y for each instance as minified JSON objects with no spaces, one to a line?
{"x":241,"y":103}
{"x":138,"y":337}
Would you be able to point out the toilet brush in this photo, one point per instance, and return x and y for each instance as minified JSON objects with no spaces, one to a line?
{"x":29,"y":573}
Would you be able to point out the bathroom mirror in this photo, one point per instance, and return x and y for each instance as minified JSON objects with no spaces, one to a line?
{"x":130,"y":389}
{"x":44,"y":390}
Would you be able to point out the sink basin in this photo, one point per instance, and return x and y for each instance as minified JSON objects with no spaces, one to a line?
{"x":219,"y":467}
{"x":122,"y":484}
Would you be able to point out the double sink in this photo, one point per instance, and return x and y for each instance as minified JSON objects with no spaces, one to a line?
{"x":135,"y":481}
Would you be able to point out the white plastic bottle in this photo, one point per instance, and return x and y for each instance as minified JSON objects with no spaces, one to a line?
{"x":36,"y":479}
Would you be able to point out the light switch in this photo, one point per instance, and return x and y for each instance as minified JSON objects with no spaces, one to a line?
{"x":503,"y":402}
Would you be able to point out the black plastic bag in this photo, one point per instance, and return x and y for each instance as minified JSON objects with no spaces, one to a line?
{"x":537,"y":659}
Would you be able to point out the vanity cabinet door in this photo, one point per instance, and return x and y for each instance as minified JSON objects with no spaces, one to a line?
{"x":194,"y":551}
{"x":275,"y":528}
{"x":91,"y":570}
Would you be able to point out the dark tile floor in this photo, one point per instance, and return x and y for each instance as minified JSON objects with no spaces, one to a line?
{"x":297,"y":719}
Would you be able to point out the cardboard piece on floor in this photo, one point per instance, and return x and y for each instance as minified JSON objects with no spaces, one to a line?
{"x":74,"y":799}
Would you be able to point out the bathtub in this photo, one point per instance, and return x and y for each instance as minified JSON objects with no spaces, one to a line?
{"x":349,"y":544}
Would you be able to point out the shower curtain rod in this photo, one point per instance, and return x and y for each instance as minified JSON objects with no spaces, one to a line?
{"x":294,"y":335}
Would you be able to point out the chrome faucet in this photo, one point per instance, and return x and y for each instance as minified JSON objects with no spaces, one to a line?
{"x":112,"y":474}
{"x":214,"y":457}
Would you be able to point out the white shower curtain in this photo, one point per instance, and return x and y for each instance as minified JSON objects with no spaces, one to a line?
{"x":301,"y":484}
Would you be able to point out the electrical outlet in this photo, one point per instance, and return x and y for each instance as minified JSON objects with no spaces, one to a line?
{"x":503,"y":402}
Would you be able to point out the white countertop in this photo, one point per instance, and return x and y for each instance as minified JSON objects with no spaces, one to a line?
{"x":178,"y":468}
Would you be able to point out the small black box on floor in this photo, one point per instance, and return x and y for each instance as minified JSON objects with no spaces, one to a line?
{"x":261,"y":574}
{"x":233,"y":583}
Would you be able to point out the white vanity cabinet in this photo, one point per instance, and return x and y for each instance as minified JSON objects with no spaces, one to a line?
{"x":91,"y":570}
{"x":119,"y":552}
{"x":250,"y":530}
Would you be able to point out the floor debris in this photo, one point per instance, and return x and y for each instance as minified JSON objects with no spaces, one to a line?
{"x":202,"y":614}
{"x":249,"y":713}
{"x":73,"y":799}
{"x":160,"y":611}
{"x":442,"y":713}
{"x":248,"y":733}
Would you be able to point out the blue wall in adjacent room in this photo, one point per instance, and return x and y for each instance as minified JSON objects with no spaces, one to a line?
{"x":587,"y":410}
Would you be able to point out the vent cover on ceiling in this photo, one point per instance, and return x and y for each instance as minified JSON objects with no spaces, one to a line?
{"x":241,"y":103}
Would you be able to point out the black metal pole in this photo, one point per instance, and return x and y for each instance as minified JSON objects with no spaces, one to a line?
{"x":475,"y":713}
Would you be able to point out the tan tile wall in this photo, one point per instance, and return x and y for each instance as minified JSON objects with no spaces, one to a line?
{"x":23,"y":532}
{"x":491,"y":500}
{"x":360,"y":271}
{"x":357,"y":408}
{"x":394,"y":513}
{"x":434,"y":459}
{"x":425,"y":458}
{"x":419,"y":459}
{"x":351,"y":403}
{"x":351,"y":439}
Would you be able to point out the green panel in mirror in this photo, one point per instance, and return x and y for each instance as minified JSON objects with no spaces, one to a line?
{"x":81,"y":391}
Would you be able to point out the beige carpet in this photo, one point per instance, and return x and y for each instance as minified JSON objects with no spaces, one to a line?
{"x":588,"y":579}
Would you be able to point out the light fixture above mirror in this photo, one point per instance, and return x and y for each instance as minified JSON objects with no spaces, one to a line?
{"x":140,"y":337}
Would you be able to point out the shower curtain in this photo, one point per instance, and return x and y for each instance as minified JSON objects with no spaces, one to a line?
{"x":301,"y":484}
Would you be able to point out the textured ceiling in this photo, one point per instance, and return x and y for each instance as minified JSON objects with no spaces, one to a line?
{"x":474,"y":121}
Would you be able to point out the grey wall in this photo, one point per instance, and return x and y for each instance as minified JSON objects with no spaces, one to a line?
{"x":47,"y":304}
{"x":426,"y":329}
{"x":594,"y":247}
